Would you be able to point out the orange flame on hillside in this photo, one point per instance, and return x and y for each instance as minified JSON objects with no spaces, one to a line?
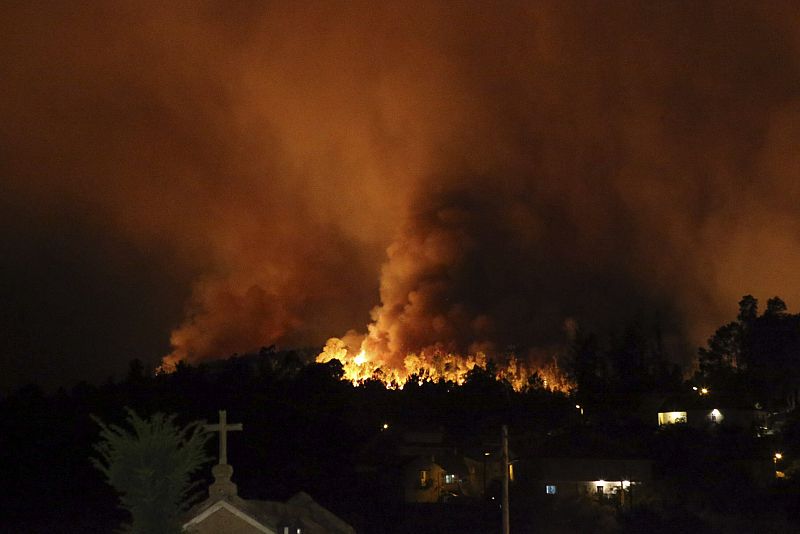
{"x":438,"y":366}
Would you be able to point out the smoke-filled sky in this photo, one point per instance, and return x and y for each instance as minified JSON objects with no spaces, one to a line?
{"x":204,"y":178}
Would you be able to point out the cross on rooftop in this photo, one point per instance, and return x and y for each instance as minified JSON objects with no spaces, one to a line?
{"x":223,"y":427}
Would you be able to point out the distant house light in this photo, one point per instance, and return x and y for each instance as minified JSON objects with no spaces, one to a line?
{"x":715,"y":416}
{"x":450,"y":479}
{"x":550,"y":489}
{"x":671,"y":418}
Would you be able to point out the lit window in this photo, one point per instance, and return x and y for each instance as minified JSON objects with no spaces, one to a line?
{"x":423,"y":478}
{"x":670,"y":418}
{"x":449,"y":479}
{"x":550,"y":489}
{"x":511,"y":472}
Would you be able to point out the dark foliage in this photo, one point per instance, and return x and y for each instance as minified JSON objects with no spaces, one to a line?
{"x":150,"y":464}
{"x":305,"y":429}
{"x":617,"y":374}
{"x":756,"y":358}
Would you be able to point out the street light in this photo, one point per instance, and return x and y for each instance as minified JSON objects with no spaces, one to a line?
{"x":775,"y":459}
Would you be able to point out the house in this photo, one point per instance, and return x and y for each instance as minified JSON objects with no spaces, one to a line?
{"x":422,"y":466}
{"x":706,"y":411}
{"x":224,"y":512}
{"x":434,"y":470}
{"x":440,"y":477}
{"x":607,"y":479}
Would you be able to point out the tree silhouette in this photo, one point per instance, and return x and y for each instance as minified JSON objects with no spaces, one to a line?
{"x":151,"y":468}
{"x":587,"y":367}
{"x":775,"y":306}
{"x":748,"y":309}
{"x":755,"y":356}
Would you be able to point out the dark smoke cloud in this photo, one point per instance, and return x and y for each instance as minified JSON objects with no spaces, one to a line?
{"x":523,"y":164}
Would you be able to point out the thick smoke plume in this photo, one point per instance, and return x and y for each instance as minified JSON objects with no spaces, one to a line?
{"x":482,"y":173}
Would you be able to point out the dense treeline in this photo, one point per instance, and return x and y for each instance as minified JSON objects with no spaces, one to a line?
{"x":306,"y":429}
{"x":619,"y":371}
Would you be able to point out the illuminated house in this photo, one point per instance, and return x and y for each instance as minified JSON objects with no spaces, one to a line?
{"x":706,"y":411}
{"x":441,"y":477}
{"x":422,"y":466}
{"x":607,"y":479}
{"x":435,"y":471}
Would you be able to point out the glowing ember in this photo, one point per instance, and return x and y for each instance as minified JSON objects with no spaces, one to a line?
{"x":437,"y":366}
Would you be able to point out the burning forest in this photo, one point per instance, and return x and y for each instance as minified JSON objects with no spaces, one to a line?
{"x":443,"y":180}
{"x":437,"y":365}
{"x":524,"y":198}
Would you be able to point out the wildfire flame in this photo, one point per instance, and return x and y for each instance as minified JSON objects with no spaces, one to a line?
{"x":431,"y":366}
{"x":437,"y":366}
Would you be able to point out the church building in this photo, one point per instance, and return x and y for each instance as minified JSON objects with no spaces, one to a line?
{"x":224,"y":512}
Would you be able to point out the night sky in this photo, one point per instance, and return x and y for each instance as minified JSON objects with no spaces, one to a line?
{"x":207,"y":178}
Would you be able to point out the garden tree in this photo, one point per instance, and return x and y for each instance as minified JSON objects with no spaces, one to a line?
{"x":718,"y":363}
{"x":151,"y":468}
{"x":726,"y":348}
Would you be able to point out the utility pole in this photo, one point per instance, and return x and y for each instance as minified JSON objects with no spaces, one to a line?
{"x":506,"y":522}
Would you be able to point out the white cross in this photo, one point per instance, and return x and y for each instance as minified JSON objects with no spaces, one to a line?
{"x":222,"y":427}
